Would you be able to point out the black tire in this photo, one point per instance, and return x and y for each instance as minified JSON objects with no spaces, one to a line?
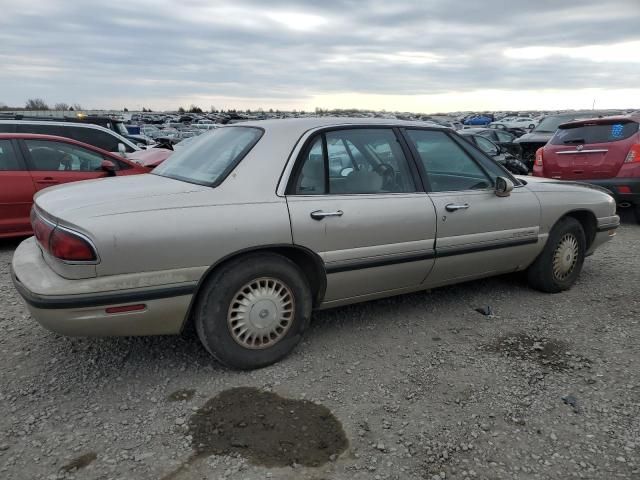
{"x":214,"y":302}
{"x":637,"y":212}
{"x":541,"y":274}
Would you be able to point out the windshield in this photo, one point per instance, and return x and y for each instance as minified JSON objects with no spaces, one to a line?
{"x":210,"y":158}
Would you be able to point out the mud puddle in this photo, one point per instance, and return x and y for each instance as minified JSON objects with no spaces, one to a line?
{"x":549,"y":353}
{"x":266,"y":429}
{"x":79,"y":462}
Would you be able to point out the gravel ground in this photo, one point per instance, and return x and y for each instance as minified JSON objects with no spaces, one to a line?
{"x":424,"y":387}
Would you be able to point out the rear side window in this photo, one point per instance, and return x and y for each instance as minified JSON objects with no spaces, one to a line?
{"x":8,"y":158}
{"x":98,"y":138}
{"x":594,"y":133}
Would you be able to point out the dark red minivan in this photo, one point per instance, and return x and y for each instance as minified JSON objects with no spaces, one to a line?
{"x":602,"y":151}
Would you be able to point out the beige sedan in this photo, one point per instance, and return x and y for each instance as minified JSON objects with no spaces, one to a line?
{"x":252,"y":226}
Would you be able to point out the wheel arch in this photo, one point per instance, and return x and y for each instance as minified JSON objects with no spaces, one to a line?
{"x":308,"y":261}
{"x":588,"y":221}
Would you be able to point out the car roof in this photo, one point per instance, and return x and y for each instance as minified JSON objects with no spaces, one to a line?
{"x":298,"y":126}
{"x":39,"y":136}
{"x":613,"y":118}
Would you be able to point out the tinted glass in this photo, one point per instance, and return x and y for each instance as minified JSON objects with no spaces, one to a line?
{"x":448,"y":166}
{"x":312,"y":176}
{"x":8,"y":158}
{"x":97,"y":138}
{"x":7,"y":128}
{"x":367,"y":161}
{"x":208,"y":160}
{"x":41,"y":129}
{"x":594,"y":133}
{"x":59,"y":156}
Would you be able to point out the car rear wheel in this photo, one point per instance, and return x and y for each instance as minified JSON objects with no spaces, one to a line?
{"x":253,"y":311}
{"x":560,"y":263}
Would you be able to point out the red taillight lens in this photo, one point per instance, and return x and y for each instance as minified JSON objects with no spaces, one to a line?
{"x":634,"y":154}
{"x":539,"y":156}
{"x":71,"y":247}
{"x":41,"y":230}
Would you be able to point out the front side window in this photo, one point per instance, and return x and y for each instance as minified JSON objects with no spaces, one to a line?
{"x":448,"y":166}
{"x":8,"y":159}
{"x":358,"y":161}
{"x":503,"y":136}
{"x":211,"y":157}
{"x":487,"y":146}
{"x":59,"y":156}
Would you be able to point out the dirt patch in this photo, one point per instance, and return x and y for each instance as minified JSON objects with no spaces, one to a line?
{"x":79,"y":462}
{"x":181,"y":395}
{"x":549,"y":353}
{"x":267,"y":429}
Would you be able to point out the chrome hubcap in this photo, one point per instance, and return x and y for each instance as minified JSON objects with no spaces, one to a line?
{"x":565,"y":256}
{"x":261,"y":313}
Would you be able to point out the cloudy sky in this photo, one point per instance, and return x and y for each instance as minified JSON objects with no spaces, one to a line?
{"x":422,"y":55}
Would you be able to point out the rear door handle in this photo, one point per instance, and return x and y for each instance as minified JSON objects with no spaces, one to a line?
{"x":452,"y":207}
{"x":319,"y":214}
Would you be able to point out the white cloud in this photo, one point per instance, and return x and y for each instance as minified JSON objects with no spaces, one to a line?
{"x":627,"y":52}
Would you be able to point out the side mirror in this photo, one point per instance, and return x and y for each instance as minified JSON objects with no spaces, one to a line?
{"x":504,"y":186}
{"x":122,"y":150}
{"x":109,"y":167}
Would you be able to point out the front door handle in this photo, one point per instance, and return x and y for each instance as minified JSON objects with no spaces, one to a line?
{"x":319,"y":214}
{"x":452,"y":207}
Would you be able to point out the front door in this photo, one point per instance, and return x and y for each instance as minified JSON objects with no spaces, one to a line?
{"x":16,"y":191}
{"x":356,"y":202}
{"x":479,"y":233}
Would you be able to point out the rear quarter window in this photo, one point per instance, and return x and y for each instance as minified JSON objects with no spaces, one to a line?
{"x":594,"y":133}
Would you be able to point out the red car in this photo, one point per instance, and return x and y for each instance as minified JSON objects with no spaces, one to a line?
{"x":29,"y":163}
{"x":601,"y":151}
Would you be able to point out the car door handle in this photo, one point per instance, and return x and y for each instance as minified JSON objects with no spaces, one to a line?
{"x":319,"y":214}
{"x":452,"y":207}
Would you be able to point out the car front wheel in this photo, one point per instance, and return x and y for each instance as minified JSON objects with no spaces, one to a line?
{"x":558,"y":266}
{"x":253,"y":311}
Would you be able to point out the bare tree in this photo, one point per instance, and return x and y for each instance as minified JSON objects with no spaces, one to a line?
{"x":61,"y":106}
{"x":36,"y":104}
{"x":77,"y":106}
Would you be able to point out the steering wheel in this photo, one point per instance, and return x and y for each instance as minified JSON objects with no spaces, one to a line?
{"x":387,"y":173}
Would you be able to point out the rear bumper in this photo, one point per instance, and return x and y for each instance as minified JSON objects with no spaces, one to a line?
{"x":614,"y":184}
{"x":85,"y":314}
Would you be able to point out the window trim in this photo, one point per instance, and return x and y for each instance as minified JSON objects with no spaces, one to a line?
{"x":290,"y":188}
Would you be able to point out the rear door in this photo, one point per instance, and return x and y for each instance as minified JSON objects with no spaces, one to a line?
{"x":479,"y":233}
{"x":54,"y":162}
{"x":16,"y":191}
{"x":589,"y":150}
{"x":356,"y":200}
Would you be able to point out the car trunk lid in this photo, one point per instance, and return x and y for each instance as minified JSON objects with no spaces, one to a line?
{"x":589,"y":149}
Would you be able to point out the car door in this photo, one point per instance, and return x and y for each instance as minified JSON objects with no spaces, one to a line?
{"x":356,"y":200}
{"x":16,"y":190}
{"x":55,"y":162}
{"x":479,"y":233}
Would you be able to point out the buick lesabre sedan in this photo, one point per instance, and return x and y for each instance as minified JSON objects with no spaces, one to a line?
{"x":252,"y":226}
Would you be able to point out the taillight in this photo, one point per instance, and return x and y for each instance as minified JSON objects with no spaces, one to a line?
{"x":634,"y":154}
{"x":61,"y":243}
{"x":539,"y":156}
{"x":41,"y":230}
{"x":68,"y":246}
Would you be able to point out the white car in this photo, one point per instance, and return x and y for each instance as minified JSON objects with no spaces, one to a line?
{"x":515,"y":122}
